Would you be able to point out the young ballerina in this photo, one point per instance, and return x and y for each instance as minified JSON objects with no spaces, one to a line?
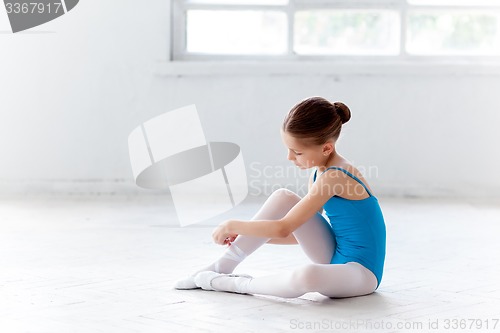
{"x":347,"y":250}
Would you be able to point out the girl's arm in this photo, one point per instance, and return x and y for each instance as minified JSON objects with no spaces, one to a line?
{"x":321,"y":191}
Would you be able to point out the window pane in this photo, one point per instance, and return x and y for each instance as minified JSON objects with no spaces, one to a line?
{"x":236,"y":32}
{"x":443,"y":33}
{"x":455,"y":2}
{"x":347,"y":32}
{"x":240,"y":2}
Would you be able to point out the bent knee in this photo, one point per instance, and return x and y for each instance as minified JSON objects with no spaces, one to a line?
{"x":285,"y":193}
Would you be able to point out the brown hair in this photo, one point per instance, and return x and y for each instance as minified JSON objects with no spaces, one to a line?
{"x":316,"y":120}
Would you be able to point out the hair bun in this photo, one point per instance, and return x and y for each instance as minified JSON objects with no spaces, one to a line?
{"x":343,"y":111}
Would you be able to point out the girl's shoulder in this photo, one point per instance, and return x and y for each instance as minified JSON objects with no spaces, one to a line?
{"x":351,"y":169}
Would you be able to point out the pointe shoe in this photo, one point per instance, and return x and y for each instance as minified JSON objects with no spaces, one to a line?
{"x":204,"y":279}
{"x":186,"y":283}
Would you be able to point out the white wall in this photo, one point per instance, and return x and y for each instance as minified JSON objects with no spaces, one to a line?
{"x":73,"y":89}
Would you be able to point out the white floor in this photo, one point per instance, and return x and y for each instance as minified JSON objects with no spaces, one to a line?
{"x":107,"y":264}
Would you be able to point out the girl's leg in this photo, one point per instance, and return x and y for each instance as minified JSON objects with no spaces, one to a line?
{"x":332,"y":280}
{"x":315,"y":236}
{"x":317,"y":239}
{"x":275,"y":207}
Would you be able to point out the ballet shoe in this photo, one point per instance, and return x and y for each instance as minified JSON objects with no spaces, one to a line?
{"x":204,"y":279}
{"x":189,"y":282}
{"x":186,"y":283}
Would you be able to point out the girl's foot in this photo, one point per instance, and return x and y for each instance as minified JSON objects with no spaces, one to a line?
{"x":225,"y":264}
{"x":186,"y":283}
{"x":189,"y":282}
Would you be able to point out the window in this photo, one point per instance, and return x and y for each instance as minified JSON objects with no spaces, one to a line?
{"x":236,"y":32}
{"x":346,"y":31}
{"x":296,"y":29}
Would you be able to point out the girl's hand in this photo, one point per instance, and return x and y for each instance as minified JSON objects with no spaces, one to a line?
{"x":230,"y":239}
{"x":221,"y":234}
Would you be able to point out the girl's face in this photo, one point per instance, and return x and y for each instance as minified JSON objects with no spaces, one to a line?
{"x":304,"y":157}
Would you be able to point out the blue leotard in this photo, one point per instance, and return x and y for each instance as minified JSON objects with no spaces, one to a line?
{"x":359,"y":230}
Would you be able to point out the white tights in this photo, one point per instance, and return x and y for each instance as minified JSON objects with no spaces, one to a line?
{"x":316,"y":239}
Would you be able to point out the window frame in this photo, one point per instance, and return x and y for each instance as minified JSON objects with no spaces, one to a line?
{"x":179,"y":9}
